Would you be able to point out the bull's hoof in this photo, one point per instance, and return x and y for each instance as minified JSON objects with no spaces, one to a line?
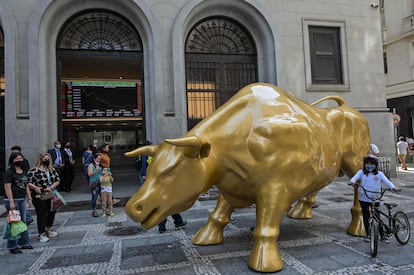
{"x":300,"y":211}
{"x":265,"y":257}
{"x":207,"y":235}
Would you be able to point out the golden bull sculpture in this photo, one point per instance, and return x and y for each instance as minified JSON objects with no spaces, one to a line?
{"x":263,"y":146}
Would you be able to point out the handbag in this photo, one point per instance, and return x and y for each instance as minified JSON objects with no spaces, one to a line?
{"x":14,"y":216}
{"x":47,"y":195}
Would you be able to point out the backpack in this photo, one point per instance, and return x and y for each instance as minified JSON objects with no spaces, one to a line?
{"x":138,"y":162}
{"x":88,"y":161}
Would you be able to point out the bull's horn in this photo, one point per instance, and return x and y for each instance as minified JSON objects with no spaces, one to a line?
{"x":193,"y":146}
{"x":144,"y":150}
{"x":338,"y":100}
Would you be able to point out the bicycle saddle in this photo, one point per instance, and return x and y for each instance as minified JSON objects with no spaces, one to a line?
{"x":390,"y":205}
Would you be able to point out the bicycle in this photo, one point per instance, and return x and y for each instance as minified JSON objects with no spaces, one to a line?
{"x":398,"y":223}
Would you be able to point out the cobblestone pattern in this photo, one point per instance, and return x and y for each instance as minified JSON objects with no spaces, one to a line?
{"x":316,"y":246}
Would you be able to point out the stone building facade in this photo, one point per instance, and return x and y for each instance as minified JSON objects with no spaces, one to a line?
{"x":312,"y":48}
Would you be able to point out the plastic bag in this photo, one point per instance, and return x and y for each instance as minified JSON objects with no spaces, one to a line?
{"x":6,"y":231}
{"x":17,"y":228}
{"x":14,"y":216}
{"x":58,"y":201}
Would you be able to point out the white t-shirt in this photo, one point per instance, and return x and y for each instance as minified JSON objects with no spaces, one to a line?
{"x":402,"y":147}
{"x":372,"y":183}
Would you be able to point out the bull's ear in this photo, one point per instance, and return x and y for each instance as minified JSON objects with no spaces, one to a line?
{"x":149,"y":150}
{"x":192,"y":146}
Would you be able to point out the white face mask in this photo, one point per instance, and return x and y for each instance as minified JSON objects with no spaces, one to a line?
{"x":58,"y":146}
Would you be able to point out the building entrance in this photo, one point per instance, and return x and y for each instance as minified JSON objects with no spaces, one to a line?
{"x":99,"y":57}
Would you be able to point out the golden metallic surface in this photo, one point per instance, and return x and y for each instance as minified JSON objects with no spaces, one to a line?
{"x":263,"y":146}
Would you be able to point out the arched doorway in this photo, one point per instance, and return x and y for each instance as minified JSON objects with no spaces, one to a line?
{"x":99,"y":57}
{"x":220,"y":58}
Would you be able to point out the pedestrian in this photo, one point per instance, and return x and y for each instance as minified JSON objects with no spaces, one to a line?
{"x":25,"y":166}
{"x":106,"y":163}
{"x":57,"y":161}
{"x":44,"y":178}
{"x":370,"y":179}
{"x":141,"y":165}
{"x":69,"y":168}
{"x":106,"y":181}
{"x":17,"y":197}
{"x":94,"y":172}
{"x":402,"y":149}
{"x":374,"y":150}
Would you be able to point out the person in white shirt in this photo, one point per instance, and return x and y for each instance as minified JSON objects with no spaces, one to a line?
{"x":402,"y":149}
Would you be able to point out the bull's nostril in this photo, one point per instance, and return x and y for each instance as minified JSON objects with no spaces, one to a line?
{"x":139,"y":209}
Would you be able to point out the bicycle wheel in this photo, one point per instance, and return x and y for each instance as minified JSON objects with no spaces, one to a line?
{"x":401,"y":227}
{"x":373,"y":242}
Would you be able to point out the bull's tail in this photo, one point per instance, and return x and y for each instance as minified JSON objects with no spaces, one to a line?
{"x":338,"y":100}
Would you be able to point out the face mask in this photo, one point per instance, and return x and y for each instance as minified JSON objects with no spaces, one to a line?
{"x":45,"y":162}
{"x":58,"y":146}
{"x":370,"y":167}
{"x":17,"y":163}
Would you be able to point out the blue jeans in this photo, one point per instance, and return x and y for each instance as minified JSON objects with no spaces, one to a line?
{"x":21,"y":205}
{"x":95,"y":194}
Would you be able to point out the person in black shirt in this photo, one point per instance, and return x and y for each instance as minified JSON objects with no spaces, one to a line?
{"x":17,"y":197}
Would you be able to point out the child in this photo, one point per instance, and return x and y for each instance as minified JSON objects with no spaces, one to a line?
{"x":370,"y":178}
{"x":106,"y":191}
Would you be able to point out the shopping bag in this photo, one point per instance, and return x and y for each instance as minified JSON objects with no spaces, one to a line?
{"x":17,"y":228}
{"x":6,"y":231}
{"x":58,"y":201}
{"x":14,"y":216}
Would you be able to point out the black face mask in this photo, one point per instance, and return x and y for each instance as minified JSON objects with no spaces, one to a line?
{"x":45,"y":162}
{"x":17,"y":163}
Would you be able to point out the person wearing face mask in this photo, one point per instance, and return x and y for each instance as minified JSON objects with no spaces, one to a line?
{"x":17,"y":197}
{"x":370,"y":178}
{"x":43,"y":177}
{"x":68,"y":174}
{"x":57,"y":161}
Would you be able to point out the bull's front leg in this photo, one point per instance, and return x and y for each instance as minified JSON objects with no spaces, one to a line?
{"x":302,"y":209}
{"x":270,"y":209}
{"x":356,"y":227}
{"x":212,"y":232}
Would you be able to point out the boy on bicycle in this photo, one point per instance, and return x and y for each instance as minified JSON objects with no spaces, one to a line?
{"x":370,"y":178}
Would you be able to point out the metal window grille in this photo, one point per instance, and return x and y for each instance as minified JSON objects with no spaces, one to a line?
{"x":99,"y":30}
{"x":220,"y":59}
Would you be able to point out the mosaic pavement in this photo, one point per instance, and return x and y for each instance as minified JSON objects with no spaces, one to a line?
{"x":116,"y":245}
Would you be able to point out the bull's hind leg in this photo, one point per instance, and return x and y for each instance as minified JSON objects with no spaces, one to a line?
{"x":302,"y":209}
{"x":270,"y":209}
{"x":212,"y":232}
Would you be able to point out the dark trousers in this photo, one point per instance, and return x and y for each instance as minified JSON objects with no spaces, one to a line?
{"x":177,"y":221}
{"x":68,"y":175}
{"x":365,"y":207}
{"x":45,"y":217}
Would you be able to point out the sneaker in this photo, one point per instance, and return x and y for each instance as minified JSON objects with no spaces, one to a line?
{"x":27,"y":246}
{"x":104,"y":215}
{"x":94,"y":214}
{"x":385,"y":239}
{"x":111,"y":214}
{"x":181,"y":224}
{"x":51,"y":234}
{"x":43,"y":238}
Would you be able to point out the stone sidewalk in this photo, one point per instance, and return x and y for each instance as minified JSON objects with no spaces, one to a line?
{"x":117,"y":245}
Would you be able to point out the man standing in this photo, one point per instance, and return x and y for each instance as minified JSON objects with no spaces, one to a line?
{"x":57,"y":161}
{"x":69,"y":171}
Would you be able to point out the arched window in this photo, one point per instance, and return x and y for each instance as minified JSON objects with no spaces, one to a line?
{"x":220,"y":58}
{"x":99,"y":31}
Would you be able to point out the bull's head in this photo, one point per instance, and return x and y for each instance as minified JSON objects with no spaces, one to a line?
{"x":178,"y":174}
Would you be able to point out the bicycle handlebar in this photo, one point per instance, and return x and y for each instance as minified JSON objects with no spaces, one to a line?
{"x":381,"y":193}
